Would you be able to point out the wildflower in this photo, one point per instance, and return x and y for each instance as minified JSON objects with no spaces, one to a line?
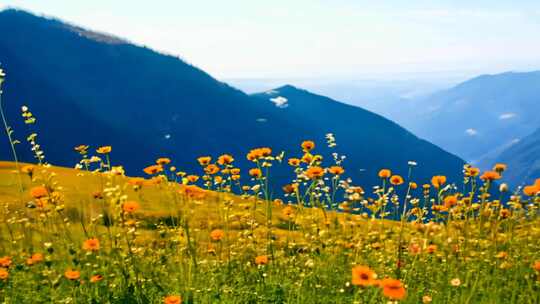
{"x":192,"y":178}
{"x":72,"y":274}
{"x":130,"y":206}
{"x":255,"y":172}
{"x":314,"y":172}
{"x":217,"y":234}
{"x":29,"y":169}
{"x":455,"y":282}
{"x":294,"y":162}
{"x":396,"y":180}
{"x":472,"y":171}
{"x":393,"y":289}
{"x":91,"y":244}
{"x":308,"y":145}
{"x":34,"y":259}
{"x":163,"y":161}
{"x":193,"y":192}
{"x":490,"y":176}
{"x":204,"y":160}
{"x":413,"y":185}
{"x":427,"y":299}
{"x":172,"y":300}
{"x":290,"y":188}
{"x":235,"y":171}
{"x":82,"y":149}
{"x":499,"y":168}
{"x":5,"y":262}
{"x":363,"y":276}
{"x":503,"y":187}
{"x":415,"y":248}
{"x":531,"y":190}
{"x":336,"y":170}
{"x":261,"y":260}
{"x":536,"y":266}
{"x":438,"y":181}
{"x":104,"y":150}
{"x":96,"y":278}
{"x":307,"y":158}
{"x":385,"y":173}
{"x":256,"y":154}
{"x":39,"y":192}
{"x":287,"y":211}
{"x":225,"y":159}
{"x":154,"y":169}
{"x":450,"y":201}
{"x":211,"y":169}
{"x":432,"y":248}
{"x":4,"y":274}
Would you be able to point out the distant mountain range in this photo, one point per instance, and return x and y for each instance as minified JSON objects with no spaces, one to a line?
{"x":90,"y":88}
{"x":481,"y":116}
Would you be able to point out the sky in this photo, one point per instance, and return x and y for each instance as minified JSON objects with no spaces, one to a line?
{"x":319,"y":39}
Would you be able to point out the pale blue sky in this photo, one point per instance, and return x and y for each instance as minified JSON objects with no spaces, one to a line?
{"x":334,"y":38}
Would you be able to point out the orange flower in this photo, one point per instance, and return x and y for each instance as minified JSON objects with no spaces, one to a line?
{"x":450,"y":201}
{"x":172,"y":300}
{"x":261,"y":260}
{"x":472,"y":171}
{"x":5,"y":262}
{"x":104,"y":150}
{"x":4,"y":274}
{"x":363,"y":276}
{"x":314,"y":172}
{"x":34,"y":259}
{"x":385,"y":173}
{"x":490,"y":176}
{"x":130,"y":206}
{"x":72,"y":274}
{"x":415,"y":248}
{"x":294,"y":162}
{"x":217,"y":234}
{"x":225,"y":159}
{"x":136,"y":181}
{"x":499,"y":168}
{"x":96,"y":278}
{"x":307,"y":158}
{"x":256,"y":154}
{"x":536,"y":265}
{"x":211,"y":169}
{"x":287,"y":212}
{"x":431,"y":248}
{"x":91,"y":244}
{"x":204,"y":160}
{"x":235,"y":171}
{"x":151,"y":170}
{"x":336,"y":170}
{"x":163,"y":161}
{"x":308,"y":145}
{"x":393,"y":289}
{"x":396,"y":180}
{"x":290,"y":188}
{"x":531,"y":190}
{"x":193,"y":192}
{"x":438,"y":181}
{"x":39,"y":192}
{"x":255,"y":172}
{"x":192,"y":178}
{"x":29,"y":169}
{"x":413,"y":185}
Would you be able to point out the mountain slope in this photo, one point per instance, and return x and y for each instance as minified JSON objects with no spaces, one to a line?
{"x":481,"y":115}
{"x":89,"y":88}
{"x":523,"y":159}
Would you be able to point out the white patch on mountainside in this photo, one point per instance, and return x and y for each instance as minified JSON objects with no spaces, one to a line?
{"x":471,"y":132}
{"x":280,"y":102}
{"x":506,"y":116}
{"x":271,"y":92}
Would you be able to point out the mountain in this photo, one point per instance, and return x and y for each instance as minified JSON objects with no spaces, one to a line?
{"x":479,"y":118}
{"x":91,"y":88}
{"x":523,"y":159}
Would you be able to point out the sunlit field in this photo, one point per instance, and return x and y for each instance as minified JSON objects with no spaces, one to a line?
{"x":94,"y":235}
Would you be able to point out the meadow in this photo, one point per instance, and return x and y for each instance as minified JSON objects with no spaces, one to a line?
{"x":94,"y":235}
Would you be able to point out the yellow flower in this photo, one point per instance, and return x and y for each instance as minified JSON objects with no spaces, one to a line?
{"x":104,"y":150}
